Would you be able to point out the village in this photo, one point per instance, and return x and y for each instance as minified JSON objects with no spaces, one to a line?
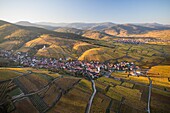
{"x":139,"y":41}
{"x":94,"y":69}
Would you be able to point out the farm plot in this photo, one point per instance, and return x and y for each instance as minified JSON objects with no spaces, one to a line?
{"x":24,"y":106}
{"x":100,"y":86}
{"x":160,"y":101}
{"x":38,"y":102}
{"x":37,"y":79}
{"x":15,"y":92}
{"x":26,"y":85}
{"x":160,"y":77}
{"x":75,"y":101}
{"x":66,"y":83}
{"x":20,"y":70}
{"x":114,"y":106}
{"x":44,"y":72}
{"x":85,"y":84}
{"x":3,"y":91}
{"x":51,"y":95}
{"x":120,"y":75}
{"x":6,"y":74}
{"x":132,"y":96}
{"x":109,"y":81}
{"x":144,"y":90}
{"x":127,"y":84}
{"x":100,"y":103}
{"x":123,"y":75}
{"x":114,"y":95}
{"x":128,"y":109}
{"x":140,"y":79}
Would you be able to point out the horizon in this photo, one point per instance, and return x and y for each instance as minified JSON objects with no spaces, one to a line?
{"x":39,"y":22}
{"x":89,"y":22}
{"x":86,"y":11}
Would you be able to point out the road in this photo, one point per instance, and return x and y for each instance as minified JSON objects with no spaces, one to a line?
{"x":92,"y":97}
{"x":149,"y":96}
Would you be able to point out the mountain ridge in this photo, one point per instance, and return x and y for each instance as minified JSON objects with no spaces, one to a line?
{"x":41,"y":42}
{"x":105,"y":27}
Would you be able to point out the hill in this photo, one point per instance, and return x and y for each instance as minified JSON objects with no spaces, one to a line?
{"x":32,"y":39}
{"x":96,"y":35}
{"x":86,"y":33}
{"x":83,"y":26}
{"x":26,"y":23}
{"x":127,"y":29}
{"x":155,"y":25}
{"x":87,"y":46}
{"x":160,"y":34}
{"x":69,"y":30}
{"x":15,"y":36}
{"x":105,"y":27}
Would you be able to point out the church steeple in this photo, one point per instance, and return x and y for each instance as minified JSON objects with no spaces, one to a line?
{"x":44,"y":47}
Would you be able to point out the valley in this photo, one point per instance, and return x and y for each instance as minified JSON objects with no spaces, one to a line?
{"x":101,"y":68}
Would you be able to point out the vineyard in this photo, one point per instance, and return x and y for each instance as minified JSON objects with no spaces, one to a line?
{"x":24,"y":106}
{"x":70,"y":87}
{"x":51,"y":92}
{"x":100,"y":103}
{"x":3,"y":91}
{"x":38,"y":80}
{"x":6,"y":74}
{"x":75,"y":100}
{"x":40,"y":105}
{"x":116,"y":92}
{"x":66,"y":83}
{"x":51,"y":95}
{"x":26,"y":85}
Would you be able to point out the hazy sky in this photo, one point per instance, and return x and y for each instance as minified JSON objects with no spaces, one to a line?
{"x":117,"y":11}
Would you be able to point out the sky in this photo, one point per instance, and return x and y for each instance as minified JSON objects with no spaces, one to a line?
{"x":68,"y":11}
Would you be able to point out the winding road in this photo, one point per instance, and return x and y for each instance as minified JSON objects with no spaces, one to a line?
{"x":149,"y":96}
{"x":92,"y":97}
